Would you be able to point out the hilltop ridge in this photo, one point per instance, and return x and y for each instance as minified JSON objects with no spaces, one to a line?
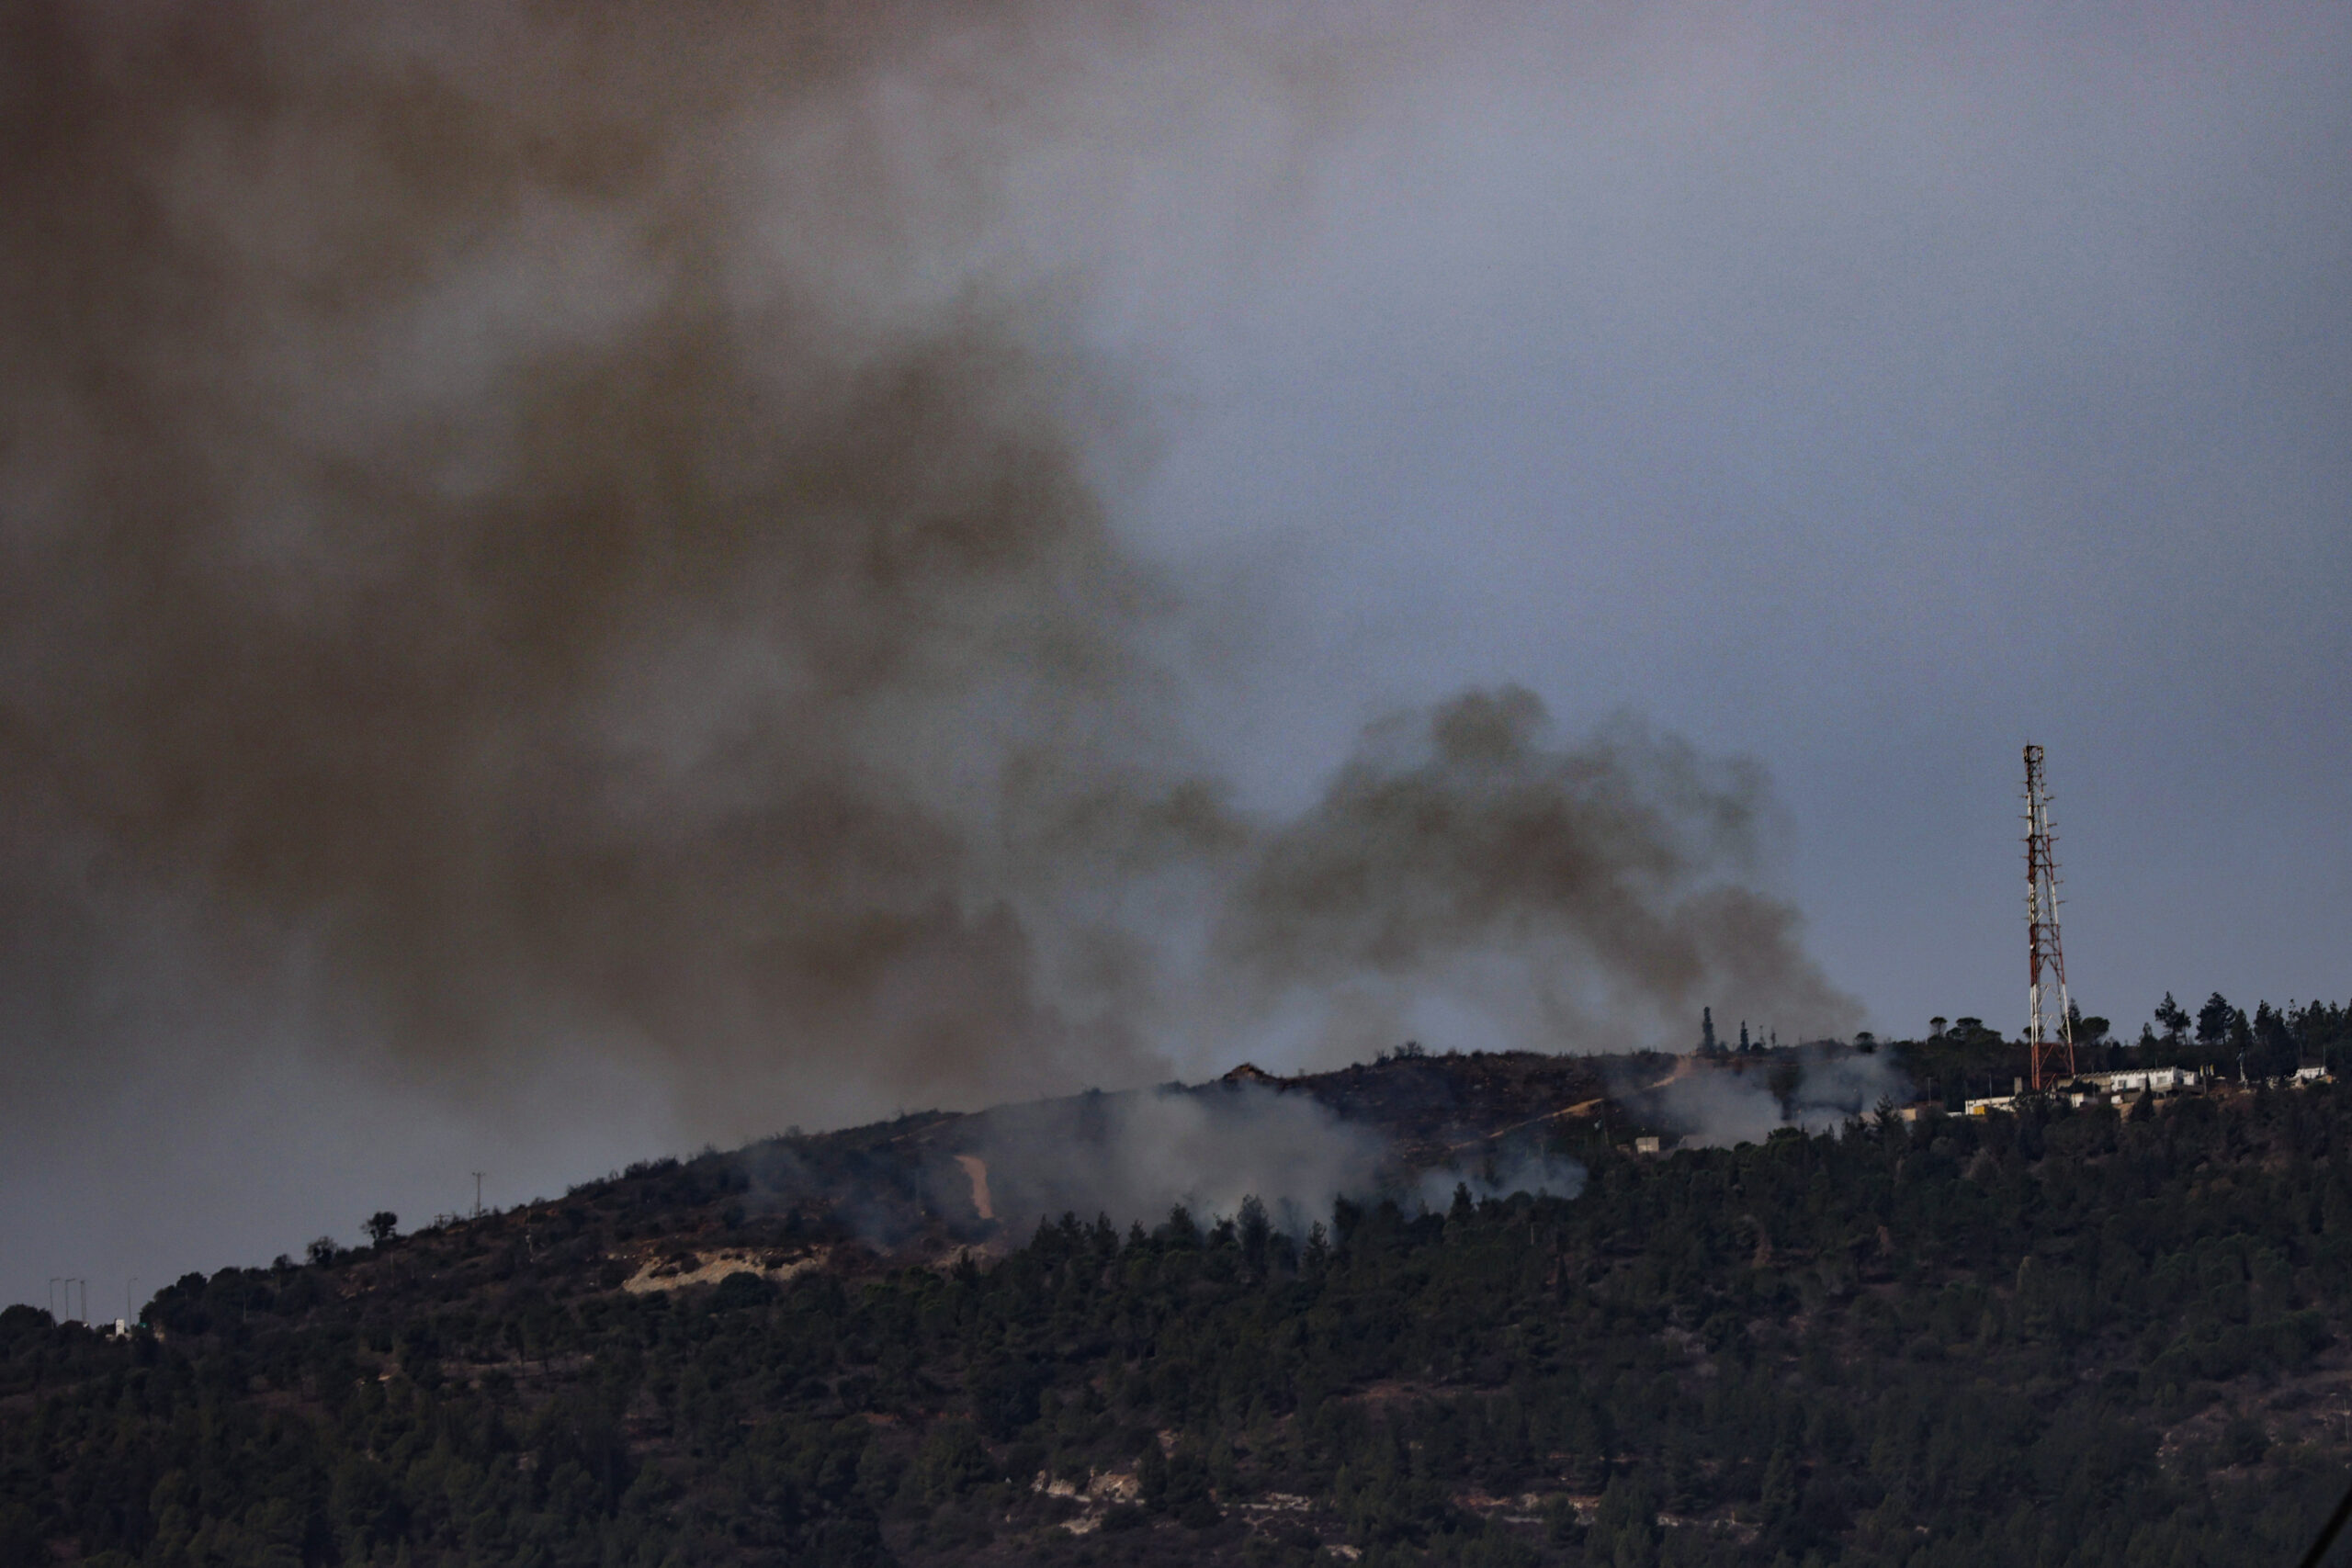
{"x":2088,"y":1337}
{"x":908,"y":1189}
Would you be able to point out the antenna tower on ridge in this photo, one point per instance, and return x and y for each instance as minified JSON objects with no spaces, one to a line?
{"x":2052,"y":1056}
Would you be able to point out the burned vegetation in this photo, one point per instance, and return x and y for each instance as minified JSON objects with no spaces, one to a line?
{"x":2067,"y":1336}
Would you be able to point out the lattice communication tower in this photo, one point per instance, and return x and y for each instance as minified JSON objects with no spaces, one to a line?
{"x":2051,"y":1052}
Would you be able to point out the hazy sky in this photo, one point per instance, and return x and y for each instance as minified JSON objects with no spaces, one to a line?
{"x":1868,"y":398}
{"x":1862,"y":391}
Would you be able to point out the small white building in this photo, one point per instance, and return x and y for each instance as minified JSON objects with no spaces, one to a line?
{"x":2085,"y":1088}
{"x":2143,"y":1080}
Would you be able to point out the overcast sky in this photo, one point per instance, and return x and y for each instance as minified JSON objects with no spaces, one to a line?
{"x":1861,"y":390}
{"x":1870,"y":401}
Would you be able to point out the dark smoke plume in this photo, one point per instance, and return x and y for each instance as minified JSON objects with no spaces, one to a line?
{"x":1607,"y":877}
{"x":438,"y":540}
{"x":521,"y":532}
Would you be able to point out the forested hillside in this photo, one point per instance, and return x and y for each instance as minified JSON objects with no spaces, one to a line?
{"x":2073,"y":1337}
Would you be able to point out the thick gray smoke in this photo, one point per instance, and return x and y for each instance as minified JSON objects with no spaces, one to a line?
{"x":453,"y":553}
{"x":1745,"y":1102}
{"x":1135,"y":1156}
{"x":522,"y":535}
{"x":1574,"y":888}
{"x":1520,"y":1170}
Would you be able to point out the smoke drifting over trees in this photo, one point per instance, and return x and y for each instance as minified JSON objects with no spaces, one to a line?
{"x":1600,"y":869}
{"x":518,"y":536}
{"x":1134,"y":1155}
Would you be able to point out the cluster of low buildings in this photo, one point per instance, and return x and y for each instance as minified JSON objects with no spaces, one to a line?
{"x":2132,"y":1083}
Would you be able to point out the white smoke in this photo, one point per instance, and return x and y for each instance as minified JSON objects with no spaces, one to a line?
{"x":1532,"y":1171}
{"x":1135,"y":1156}
{"x":1741,"y":1102}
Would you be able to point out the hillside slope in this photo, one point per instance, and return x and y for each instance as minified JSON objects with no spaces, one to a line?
{"x":2068,"y":1337}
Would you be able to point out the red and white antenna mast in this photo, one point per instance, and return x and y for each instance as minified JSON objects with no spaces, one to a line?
{"x":2053,"y":1057}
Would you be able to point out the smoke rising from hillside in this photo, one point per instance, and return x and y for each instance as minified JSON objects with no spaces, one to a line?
{"x":448,"y":543}
{"x":1724,"y":1104}
{"x":1519,"y":1170}
{"x":1610,"y":870}
{"x":522,"y":537}
{"x":1135,"y":1156}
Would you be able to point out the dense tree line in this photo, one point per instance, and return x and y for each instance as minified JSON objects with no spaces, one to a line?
{"x":1960,"y":1057}
{"x":2068,"y":1337}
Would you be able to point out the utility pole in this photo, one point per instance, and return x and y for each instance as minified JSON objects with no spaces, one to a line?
{"x":2052,"y":1056}
{"x":477,"y":1195}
